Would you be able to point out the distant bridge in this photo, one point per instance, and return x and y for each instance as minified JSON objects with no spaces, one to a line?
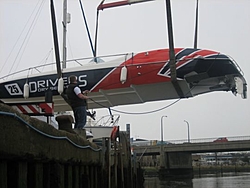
{"x":196,"y":146}
{"x":176,"y":156}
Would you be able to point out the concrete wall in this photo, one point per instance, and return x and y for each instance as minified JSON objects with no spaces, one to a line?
{"x":179,"y":160}
{"x":176,"y":164}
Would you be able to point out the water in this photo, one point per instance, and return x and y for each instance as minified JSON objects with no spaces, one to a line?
{"x":229,"y":180}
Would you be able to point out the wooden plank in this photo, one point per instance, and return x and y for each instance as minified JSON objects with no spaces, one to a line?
{"x":46,"y":175}
{"x":38,"y":175}
{"x":60,"y":174}
{"x":75,"y":176}
{"x":3,"y":174}
{"x":69,"y":176}
{"x":22,"y":174}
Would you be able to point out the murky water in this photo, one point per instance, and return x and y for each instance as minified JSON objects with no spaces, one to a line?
{"x":229,"y":180}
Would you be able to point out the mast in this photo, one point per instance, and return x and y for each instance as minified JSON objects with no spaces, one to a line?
{"x":53,"y":18}
{"x":196,"y":25}
{"x":66,"y":20}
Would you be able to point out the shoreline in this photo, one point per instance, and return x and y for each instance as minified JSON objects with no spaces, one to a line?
{"x":200,"y":170}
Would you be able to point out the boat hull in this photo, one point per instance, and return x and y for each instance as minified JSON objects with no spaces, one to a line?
{"x":147,"y":77}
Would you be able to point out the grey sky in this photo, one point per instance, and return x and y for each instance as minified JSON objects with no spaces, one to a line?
{"x":224,"y":25}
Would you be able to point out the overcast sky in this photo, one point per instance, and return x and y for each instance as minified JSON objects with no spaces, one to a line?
{"x":224,"y":26}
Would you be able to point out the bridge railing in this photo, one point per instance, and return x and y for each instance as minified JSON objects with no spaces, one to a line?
{"x":185,"y":141}
{"x":218,"y":139}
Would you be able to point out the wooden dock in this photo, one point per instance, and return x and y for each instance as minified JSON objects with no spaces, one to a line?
{"x":33,"y":154}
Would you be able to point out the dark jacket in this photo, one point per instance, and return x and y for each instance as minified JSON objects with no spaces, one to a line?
{"x":73,"y":99}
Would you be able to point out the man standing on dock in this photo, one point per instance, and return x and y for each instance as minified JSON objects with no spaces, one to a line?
{"x":77,"y":100}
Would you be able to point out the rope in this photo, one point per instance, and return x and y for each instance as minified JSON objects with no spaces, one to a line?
{"x":48,"y":135}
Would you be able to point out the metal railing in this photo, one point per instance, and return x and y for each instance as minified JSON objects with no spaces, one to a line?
{"x":185,"y":141}
{"x":201,"y":140}
{"x":70,"y":64}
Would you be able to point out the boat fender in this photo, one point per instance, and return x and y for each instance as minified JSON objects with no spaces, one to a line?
{"x":26,"y":90}
{"x":114,"y":133}
{"x":123,"y":76}
{"x":60,"y":85}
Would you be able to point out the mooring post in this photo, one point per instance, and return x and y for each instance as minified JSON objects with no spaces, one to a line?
{"x":115,"y":162}
{"x":130,"y":169}
{"x":109,"y":161}
{"x":134,"y":170}
{"x":104,"y":149}
{"x":65,"y":122}
{"x":121,"y":163}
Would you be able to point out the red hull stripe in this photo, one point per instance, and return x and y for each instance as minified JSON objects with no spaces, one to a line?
{"x":142,"y":68}
{"x":35,"y":109}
